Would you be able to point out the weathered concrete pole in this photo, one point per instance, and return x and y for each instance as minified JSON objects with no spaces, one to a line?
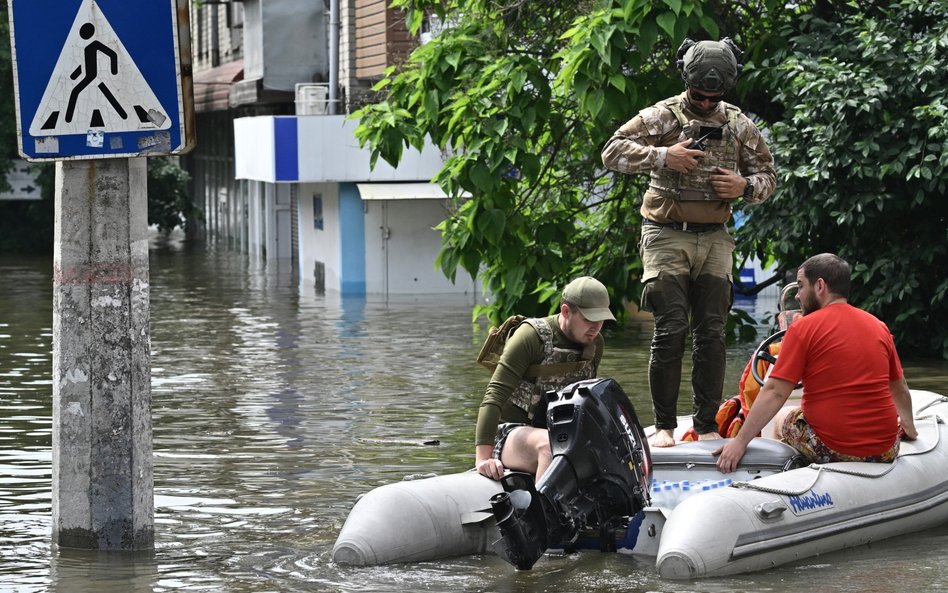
{"x":103,"y":495}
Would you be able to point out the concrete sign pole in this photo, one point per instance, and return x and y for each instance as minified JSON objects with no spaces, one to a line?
{"x":102,"y":443}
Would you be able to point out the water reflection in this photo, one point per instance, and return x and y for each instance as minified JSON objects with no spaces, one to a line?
{"x":275,"y":407}
{"x":112,"y":572}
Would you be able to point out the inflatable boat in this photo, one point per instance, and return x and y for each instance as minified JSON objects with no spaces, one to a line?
{"x":606,"y":490}
{"x":693,"y":521}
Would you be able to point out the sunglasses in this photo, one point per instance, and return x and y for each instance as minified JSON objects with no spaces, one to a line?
{"x":696,"y":96}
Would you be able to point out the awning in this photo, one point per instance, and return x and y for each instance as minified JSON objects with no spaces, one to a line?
{"x":212,"y":86}
{"x":401,"y":191}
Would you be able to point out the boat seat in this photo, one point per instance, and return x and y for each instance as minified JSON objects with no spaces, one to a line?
{"x":761,"y":454}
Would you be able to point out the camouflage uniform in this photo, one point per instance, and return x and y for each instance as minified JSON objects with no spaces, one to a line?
{"x":685,"y":247}
{"x":511,"y":396}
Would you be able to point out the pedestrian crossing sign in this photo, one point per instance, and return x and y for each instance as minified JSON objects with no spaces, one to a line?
{"x":101,"y":78}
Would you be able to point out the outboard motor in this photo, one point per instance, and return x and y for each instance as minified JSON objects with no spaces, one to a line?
{"x":599,"y":476}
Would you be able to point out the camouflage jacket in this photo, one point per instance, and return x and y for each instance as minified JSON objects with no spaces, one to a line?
{"x":642,"y":143}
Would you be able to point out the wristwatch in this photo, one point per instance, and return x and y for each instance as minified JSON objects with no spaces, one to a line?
{"x":748,"y":189}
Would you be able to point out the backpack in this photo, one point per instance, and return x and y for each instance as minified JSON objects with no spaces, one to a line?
{"x":493,"y":346}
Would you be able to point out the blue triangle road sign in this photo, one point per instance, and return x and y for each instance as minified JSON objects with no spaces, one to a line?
{"x":101,"y":78}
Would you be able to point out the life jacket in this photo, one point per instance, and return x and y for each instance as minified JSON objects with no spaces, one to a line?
{"x":558,"y":368}
{"x":720,"y":151}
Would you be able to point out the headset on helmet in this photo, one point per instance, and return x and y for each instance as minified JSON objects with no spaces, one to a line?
{"x":716,"y":77}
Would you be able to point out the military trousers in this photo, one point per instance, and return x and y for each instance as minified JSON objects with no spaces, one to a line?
{"x":688,"y":288}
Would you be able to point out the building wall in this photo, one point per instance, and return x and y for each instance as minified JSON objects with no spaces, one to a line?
{"x":379,"y":247}
{"x":372,"y":37}
{"x":402,"y":245}
{"x":347,"y":79}
{"x":286,"y":42}
{"x":256,"y":171}
{"x":217,"y":34}
{"x":351,"y":241}
{"x":381,"y":38}
{"x":214,"y":189}
{"x":319,"y":232}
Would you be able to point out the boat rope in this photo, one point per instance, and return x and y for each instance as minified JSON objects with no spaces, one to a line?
{"x":935,"y":401}
{"x":784,"y":491}
{"x":835,"y":468}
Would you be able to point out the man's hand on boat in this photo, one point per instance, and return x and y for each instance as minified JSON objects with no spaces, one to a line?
{"x":491,"y":468}
{"x":729,"y":455}
{"x":485,"y":463}
{"x":772,"y":397}
{"x":902,"y":398}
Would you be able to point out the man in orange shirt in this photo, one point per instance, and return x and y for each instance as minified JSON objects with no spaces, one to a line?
{"x":856,"y":404}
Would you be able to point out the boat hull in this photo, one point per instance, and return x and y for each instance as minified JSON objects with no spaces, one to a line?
{"x":812,"y":510}
{"x":417,"y":520}
{"x":770,"y":515}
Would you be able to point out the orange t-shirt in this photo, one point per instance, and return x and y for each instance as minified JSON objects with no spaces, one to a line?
{"x":845,"y":358}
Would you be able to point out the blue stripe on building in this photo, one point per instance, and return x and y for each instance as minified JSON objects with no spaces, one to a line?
{"x":351,"y":240}
{"x":286,"y":149}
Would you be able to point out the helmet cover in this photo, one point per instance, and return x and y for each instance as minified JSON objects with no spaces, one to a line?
{"x":710,"y":66}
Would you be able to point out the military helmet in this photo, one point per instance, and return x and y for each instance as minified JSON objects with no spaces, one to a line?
{"x":709,"y":65}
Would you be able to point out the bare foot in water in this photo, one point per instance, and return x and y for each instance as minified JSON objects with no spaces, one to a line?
{"x":710,"y":436}
{"x":664,"y":437}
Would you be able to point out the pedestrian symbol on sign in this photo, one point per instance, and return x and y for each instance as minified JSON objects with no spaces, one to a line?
{"x":121,"y":100}
{"x":89,"y":72}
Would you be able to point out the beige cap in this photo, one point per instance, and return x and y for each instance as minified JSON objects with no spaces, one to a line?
{"x":590,"y":297}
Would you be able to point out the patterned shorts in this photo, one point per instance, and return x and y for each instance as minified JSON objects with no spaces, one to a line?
{"x":503,"y":431}
{"x":800,"y":435}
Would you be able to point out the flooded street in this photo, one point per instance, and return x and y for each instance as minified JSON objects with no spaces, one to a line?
{"x":275,"y":407}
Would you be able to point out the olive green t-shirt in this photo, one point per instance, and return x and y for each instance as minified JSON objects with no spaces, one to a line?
{"x":523,"y":349}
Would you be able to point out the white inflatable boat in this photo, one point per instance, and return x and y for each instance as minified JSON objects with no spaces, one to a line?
{"x":700,"y":522}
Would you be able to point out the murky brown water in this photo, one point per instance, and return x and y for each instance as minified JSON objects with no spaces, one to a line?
{"x":274,"y":408}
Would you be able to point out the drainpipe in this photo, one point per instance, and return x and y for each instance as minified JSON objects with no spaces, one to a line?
{"x":333,"y":57}
{"x":215,"y":41}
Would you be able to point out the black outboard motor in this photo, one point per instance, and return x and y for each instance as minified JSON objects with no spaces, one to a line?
{"x":599,"y":476}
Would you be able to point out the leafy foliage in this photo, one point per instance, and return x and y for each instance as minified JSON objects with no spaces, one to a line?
{"x":169,"y":203}
{"x":7,"y":105}
{"x":522,"y":95}
{"x":862,"y":153}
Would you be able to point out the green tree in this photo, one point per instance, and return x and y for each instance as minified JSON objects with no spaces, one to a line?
{"x":862,"y":152}
{"x":523,"y":95}
{"x":169,"y":203}
{"x":7,"y":106}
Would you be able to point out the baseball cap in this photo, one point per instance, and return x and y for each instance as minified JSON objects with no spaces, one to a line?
{"x":590,"y":297}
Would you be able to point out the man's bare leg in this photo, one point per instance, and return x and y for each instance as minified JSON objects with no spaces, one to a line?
{"x":663,"y":437}
{"x":527,"y":449}
{"x":776,"y":425}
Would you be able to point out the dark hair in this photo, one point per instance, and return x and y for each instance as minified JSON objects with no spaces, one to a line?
{"x":832,"y":269}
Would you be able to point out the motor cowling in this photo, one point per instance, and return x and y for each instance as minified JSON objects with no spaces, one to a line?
{"x":599,"y":476}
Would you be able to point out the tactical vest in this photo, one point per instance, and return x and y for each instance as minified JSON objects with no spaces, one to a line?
{"x":719,"y":152}
{"x":565,"y":364}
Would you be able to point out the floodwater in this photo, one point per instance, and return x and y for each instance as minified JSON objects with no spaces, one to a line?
{"x":275,"y":407}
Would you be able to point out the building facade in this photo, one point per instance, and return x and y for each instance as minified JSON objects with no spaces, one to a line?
{"x":277,"y":172}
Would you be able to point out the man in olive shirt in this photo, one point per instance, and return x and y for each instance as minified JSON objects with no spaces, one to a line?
{"x":541,"y":355}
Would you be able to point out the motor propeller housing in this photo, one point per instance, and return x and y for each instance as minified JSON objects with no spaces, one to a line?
{"x":599,"y":476}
